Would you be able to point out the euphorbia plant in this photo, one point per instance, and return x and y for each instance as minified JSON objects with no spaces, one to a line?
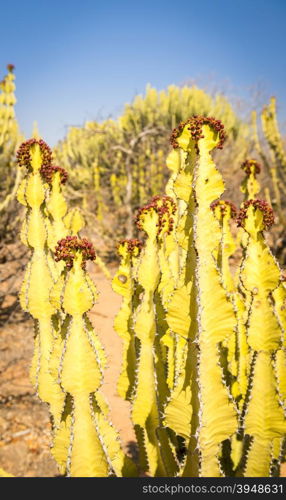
{"x":203,"y":347}
{"x":85,"y":439}
{"x":36,"y":157}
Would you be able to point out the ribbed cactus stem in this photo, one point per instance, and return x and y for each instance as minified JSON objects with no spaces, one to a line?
{"x":74,"y":221}
{"x":85,"y":442}
{"x":151,"y":387}
{"x":56,"y":205}
{"x":215,"y":324}
{"x":125,"y":284}
{"x":264,"y":419}
{"x":224,"y":212}
{"x":181,"y":408}
{"x":7,"y":103}
{"x":199,"y":232}
{"x":250,"y":186}
{"x":38,"y":281}
{"x":272,"y":134}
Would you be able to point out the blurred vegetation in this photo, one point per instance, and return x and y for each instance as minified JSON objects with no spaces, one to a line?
{"x":117,"y":165}
{"x":10,"y":138}
{"x":10,"y":177}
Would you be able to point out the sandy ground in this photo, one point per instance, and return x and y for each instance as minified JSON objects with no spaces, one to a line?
{"x":24,"y":419}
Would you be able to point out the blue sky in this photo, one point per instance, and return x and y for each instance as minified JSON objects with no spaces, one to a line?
{"x":83,"y":60}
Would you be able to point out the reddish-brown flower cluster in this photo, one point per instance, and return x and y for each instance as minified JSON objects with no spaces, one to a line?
{"x":10,"y":67}
{"x":196,"y":123}
{"x":251,"y":166}
{"x":165,"y":208}
{"x":131,"y":245}
{"x":47,"y":172}
{"x":223,"y":204}
{"x":24,"y":153}
{"x":268,"y":214}
{"x":67,"y":248}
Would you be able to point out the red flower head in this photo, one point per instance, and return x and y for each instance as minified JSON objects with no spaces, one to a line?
{"x":251,"y":167}
{"x":268,"y":214}
{"x":24,"y":154}
{"x":165,"y":208}
{"x":67,"y":248}
{"x":195,"y":127}
{"x":133,"y":246}
{"x":223,"y":205}
{"x":47,"y":172}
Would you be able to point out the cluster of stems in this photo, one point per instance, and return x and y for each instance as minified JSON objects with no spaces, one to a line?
{"x":203,"y":343}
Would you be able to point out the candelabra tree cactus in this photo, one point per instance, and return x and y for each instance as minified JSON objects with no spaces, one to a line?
{"x":8,"y":124}
{"x":36,"y":156}
{"x":214,"y":318}
{"x":151,"y":389}
{"x":85,"y":437}
{"x":205,"y":319}
{"x":203,"y":363}
{"x":276,"y":163}
{"x":274,"y":156}
{"x":9,"y":139}
{"x":250,"y":186}
{"x":125,"y":284}
{"x":263,"y":418}
{"x":272,"y":134}
{"x":64,"y":336}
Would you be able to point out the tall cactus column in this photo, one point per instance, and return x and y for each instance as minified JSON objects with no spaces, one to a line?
{"x":154,"y":219}
{"x":36,"y":156}
{"x":250,"y":186}
{"x":56,"y":204}
{"x":125,"y":284}
{"x":7,"y":103}
{"x":216,"y":315}
{"x":91,"y":444}
{"x":181,"y":409}
{"x":216,"y":416}
{"x":80,"y":373}
{"x":264,"y":420}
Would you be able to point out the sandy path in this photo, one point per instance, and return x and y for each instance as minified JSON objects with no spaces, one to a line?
{"x":102,"y":317}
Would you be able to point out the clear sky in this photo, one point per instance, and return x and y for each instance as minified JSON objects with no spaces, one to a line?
{"x":80,"y":60}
